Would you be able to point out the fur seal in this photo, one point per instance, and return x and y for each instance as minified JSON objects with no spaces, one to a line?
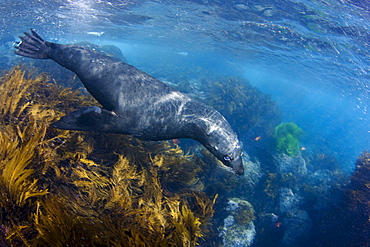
{"x":135,"y":103}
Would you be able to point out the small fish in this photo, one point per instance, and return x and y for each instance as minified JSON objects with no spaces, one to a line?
{"x":278,"y":224}
{"x":257,"y":138}
{"x":303,"y":148}
{"x":176,"y":141}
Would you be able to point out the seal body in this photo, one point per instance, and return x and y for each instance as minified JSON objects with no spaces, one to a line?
{"x":135,"y":103}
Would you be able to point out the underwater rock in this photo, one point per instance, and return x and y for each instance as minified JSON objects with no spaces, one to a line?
{"x":322,"y":178}
{"x":325,"y":182}
{"x":238,"y":236}
{"x":321,"y":184}
{"x":295,"y":165}
{"x":297,"y":228}
{"x":323,"y":160}
{"x":238,"y":229}
{"x":252,"y":170}
{"x":268,"y":218}
{"x":288,"y":200}
{"x":347,"y":224}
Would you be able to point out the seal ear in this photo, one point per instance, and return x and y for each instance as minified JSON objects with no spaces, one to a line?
{"x":91,"y":118}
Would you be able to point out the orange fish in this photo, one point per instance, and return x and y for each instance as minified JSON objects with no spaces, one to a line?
{"x":257,"y":138}
{"x":278,"y":224}
{"x":303,"y":148}
{"x":176,"y":141}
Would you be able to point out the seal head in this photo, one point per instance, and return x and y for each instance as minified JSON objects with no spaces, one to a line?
{"x":231,"y":156}
{"x":220,"y":139}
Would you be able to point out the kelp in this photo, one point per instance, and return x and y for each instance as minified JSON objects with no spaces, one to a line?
{"x":14,"y":92}
{"x":70,"y":188}
{"x":14,"y":178}
{"x":131,"y":207}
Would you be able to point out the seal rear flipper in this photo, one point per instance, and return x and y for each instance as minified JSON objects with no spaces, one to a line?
{"x":90,"y":118}
{"x":33,"y":46}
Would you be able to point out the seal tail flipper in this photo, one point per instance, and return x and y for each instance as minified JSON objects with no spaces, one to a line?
{"x":33,"y":46}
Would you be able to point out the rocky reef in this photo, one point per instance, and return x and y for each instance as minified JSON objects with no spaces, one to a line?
{"x":347,"y":222}
{"x":291,"y":197}
{"x":238,"y":229}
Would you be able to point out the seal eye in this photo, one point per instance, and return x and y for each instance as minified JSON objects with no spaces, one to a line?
{"x":227,"y":158}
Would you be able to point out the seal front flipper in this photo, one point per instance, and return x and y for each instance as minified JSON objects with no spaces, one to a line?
{"x":91,"y":118}
{"x":33,"y":46}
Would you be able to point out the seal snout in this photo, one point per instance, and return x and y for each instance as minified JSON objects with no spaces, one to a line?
{"x":239,"y":172}
{"x":237,"y":166}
